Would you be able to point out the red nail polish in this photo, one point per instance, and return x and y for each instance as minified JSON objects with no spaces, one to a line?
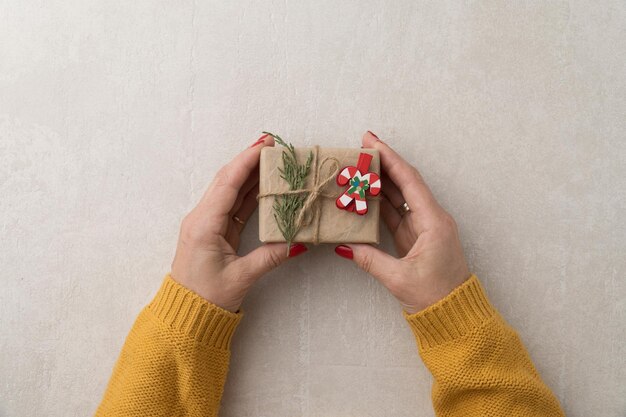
{"x":344,"y":251}
{"x":373,"y":134}
{"x":297,"y":249}
{"x":259,"y":141}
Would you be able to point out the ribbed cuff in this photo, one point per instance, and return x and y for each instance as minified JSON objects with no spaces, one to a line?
{"x":187,"y":312}
{"x":461,"y":311}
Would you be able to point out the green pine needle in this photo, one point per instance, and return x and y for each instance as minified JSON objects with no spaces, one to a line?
{"x":286,"y":207}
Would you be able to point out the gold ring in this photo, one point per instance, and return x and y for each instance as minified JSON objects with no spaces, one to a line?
{"x":238,"y":220}
{"x":403,"y":209}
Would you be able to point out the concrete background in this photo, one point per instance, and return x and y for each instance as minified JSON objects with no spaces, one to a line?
{"x":114,"y":116}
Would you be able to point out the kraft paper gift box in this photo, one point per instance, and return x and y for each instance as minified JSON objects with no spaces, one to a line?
{"x":339,"y":202}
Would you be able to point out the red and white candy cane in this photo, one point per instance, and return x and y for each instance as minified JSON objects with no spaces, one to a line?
{"x":360,"y":182}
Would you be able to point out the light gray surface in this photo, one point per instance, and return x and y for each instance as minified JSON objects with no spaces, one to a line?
{"x":114,"y":116}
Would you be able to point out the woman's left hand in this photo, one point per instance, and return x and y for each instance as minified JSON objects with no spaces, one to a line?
{"x":206,"y":260}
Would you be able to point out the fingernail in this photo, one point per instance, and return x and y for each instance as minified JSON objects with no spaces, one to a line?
{"x":259,"y":141}
{"x":297,"y":249}
{"x":344,"y":251}
{"x":373,"y":134}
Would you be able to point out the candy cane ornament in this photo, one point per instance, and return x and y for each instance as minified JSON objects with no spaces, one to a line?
{"x":360,"y":182}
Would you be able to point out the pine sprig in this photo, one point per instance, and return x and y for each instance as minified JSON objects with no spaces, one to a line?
{"x":286,"y":207}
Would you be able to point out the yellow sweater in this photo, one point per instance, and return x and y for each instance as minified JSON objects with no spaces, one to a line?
{"x":175,"y":359}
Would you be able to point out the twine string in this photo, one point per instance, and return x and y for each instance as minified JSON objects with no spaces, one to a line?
{"x":311,"y":203}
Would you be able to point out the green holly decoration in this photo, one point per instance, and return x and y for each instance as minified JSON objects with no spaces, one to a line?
{"x":359,"y":187}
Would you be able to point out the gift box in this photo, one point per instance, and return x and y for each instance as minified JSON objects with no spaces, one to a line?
{"x":318,"y":195}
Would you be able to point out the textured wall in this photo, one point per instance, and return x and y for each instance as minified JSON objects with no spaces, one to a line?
{"x":114,"y":116}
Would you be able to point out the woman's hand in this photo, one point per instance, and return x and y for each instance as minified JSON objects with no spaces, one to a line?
{"x":206,"y":260}
{"x":431,"y":262}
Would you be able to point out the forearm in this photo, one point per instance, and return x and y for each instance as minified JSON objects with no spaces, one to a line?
{"x":478,"y":362}
{"x":175,"y":359}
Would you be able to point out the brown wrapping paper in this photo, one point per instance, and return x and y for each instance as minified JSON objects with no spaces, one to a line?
{"x":335,"y":225}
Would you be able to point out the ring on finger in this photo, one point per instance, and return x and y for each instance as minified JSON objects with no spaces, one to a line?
{"x":403,"y":209}
{"x":238,"y":220}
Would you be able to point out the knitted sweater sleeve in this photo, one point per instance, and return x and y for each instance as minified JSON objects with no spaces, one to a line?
{"x":478,"y":362}
{"x":175,"y":359}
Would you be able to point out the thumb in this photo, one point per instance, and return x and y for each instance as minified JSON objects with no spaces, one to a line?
{"x":267,"y":257}
{"x":370,"y":259}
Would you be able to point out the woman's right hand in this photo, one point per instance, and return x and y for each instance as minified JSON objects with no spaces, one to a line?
{"x":431,"y":262}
